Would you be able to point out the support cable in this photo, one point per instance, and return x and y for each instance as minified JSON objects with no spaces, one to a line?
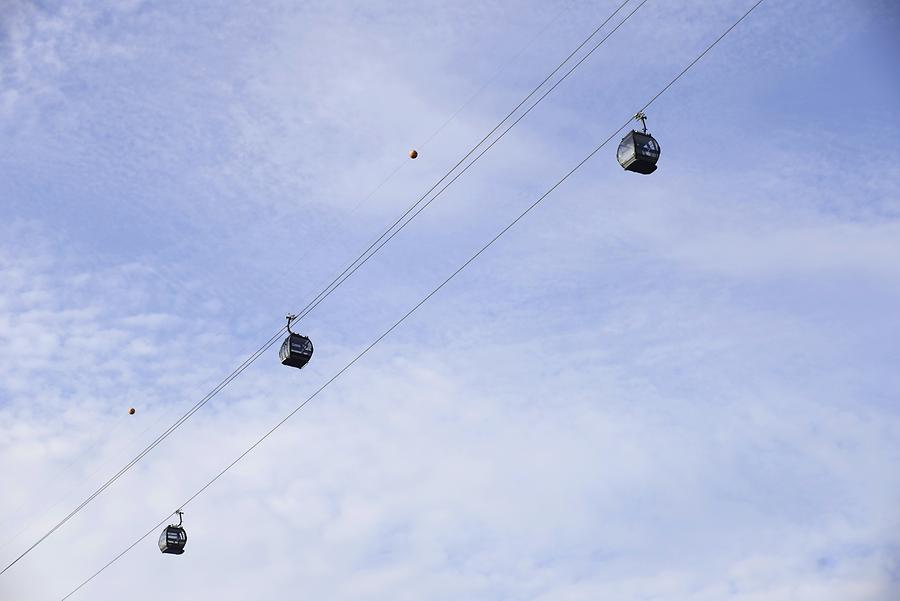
{"x":362,"y":258}
{"x":412,"y":214}
{"x":423,"y":301}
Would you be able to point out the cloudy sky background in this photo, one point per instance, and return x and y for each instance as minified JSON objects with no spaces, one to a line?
{"x":673,"y":387}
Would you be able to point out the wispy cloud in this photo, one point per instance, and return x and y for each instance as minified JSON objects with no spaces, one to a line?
{"x":677,"y":387}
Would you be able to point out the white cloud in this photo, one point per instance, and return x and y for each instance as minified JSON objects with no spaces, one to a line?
{"x":675,"y":387}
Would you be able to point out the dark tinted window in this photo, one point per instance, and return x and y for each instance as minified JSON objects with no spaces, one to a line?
{"x":646,"y":145}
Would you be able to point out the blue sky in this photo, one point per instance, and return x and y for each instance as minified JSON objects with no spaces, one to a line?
{"x":672,"y":387}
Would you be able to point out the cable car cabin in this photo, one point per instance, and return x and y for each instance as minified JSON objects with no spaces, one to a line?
{"x":638,"y":152}
{"x":172,"y":540}
{"x":296,"y":350}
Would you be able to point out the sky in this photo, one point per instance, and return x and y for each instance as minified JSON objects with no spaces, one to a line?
{"x":668,"y":387}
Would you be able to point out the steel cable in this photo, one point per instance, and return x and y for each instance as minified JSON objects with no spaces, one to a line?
{"x":388,"y":234}
{"x":434,"y":291}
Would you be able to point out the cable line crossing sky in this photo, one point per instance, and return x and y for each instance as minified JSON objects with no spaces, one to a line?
{"x":425,"y":299}
{"x":370,"y":251}
{"x":675,"y":377}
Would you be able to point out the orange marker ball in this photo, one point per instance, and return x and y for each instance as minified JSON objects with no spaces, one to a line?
{"x":413,"y":153}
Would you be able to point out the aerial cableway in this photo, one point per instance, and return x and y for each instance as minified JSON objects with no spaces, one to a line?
{"x":428,"y":296}
{"x":449,"y":177}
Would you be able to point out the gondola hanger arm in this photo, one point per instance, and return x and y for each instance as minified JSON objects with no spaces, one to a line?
{"x":642,"y":117}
